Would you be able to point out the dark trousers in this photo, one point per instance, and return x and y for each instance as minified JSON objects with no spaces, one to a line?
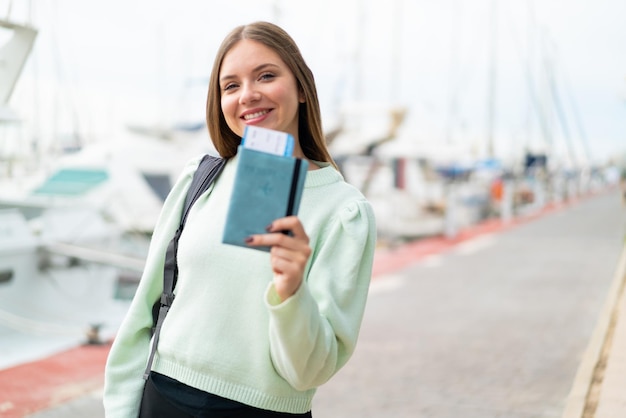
{"x":155,"y":405}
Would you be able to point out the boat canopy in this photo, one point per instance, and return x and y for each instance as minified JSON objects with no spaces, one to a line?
{"x":72,"y":182}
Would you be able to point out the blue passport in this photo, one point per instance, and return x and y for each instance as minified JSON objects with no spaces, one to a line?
{"x":267,"y":187}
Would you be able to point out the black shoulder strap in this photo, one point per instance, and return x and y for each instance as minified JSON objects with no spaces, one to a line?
{"x":207,"y":171}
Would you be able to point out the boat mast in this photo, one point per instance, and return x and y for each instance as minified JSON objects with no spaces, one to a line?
{"x":491,"y":81}
{"x":396,"y":50}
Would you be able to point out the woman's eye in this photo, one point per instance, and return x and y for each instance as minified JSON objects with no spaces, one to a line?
{"x":229,"y":86}
{"x":267,"y":76}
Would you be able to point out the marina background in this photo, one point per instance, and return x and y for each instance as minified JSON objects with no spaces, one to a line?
{"x":522,"y":74}
{"x":442,"y":113}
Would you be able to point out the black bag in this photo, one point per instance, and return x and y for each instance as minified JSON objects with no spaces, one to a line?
{"x":154,"y":405}
{"x":208,"y":170}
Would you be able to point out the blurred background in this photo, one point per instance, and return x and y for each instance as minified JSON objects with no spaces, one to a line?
{"x":457,"y":86}
{"x":498,"y":78}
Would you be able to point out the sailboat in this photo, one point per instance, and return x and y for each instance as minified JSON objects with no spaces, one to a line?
{"x":417,"y":189}
{"x":60,"y":267}
{"x":125,"y":177}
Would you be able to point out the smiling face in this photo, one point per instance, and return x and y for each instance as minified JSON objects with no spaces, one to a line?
{"x":257,"y":88}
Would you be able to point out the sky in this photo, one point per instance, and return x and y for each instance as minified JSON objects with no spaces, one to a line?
{"x":545,"y":76}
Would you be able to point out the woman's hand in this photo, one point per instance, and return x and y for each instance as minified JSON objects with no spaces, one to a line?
{"x":288,"y":255}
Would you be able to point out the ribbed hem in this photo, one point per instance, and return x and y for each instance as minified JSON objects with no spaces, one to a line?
{"x":297,"y":403}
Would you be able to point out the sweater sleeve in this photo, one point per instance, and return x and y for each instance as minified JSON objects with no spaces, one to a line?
{"x":128,"y":357}
{"x":314,"y":332}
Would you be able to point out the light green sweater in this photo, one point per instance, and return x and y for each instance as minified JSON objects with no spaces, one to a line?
{"x":227,"y":332}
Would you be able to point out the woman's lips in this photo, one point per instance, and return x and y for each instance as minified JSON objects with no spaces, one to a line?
{"x":248,"y":117}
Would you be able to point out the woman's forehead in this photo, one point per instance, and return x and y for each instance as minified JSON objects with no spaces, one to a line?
{"x":249,"y":53}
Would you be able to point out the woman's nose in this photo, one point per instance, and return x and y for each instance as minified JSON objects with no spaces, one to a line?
{"x":249,"y":94}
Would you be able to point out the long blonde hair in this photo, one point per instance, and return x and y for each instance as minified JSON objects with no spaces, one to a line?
{"x":310,"y":131}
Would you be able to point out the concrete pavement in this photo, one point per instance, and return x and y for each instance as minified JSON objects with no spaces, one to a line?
{"x":496,"y":326}
{"x":512,"y":322}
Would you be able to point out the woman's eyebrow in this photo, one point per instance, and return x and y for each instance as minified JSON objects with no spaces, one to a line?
{"x":255,"y":69}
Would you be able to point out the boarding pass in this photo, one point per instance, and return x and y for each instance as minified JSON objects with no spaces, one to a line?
{"x":268,"y":140}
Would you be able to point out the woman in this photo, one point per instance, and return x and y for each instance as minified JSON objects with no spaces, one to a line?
{"x":250,"y":333}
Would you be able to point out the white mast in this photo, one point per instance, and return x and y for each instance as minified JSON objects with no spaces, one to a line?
{"x":492,"y":77}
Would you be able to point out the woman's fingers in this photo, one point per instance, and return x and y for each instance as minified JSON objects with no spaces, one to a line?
{"x":290,"y":261}
{"x":289,"y":253}
{"x":284,"y":232}
{"x":290,"y":224}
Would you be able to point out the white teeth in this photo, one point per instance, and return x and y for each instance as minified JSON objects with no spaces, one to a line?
{"x":255,"y":115}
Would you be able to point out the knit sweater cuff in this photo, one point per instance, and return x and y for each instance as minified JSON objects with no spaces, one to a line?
{"x":273,"y":300}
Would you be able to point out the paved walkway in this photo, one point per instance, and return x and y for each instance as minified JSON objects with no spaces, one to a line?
{"x":510,"y":322}
{"x":496,"y":326}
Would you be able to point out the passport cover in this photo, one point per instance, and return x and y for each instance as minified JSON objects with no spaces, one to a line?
{"x":267,"y":187}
